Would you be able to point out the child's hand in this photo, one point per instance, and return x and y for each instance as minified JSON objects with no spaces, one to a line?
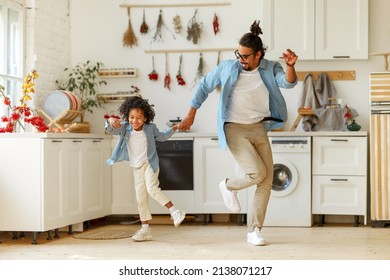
{"x":176,"y":127}
{"x":114,"y":122}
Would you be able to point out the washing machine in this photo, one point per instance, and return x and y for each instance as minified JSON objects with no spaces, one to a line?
{"x":290,"y":200}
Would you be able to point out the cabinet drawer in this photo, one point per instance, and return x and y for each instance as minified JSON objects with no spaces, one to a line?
{"x":344,"y":195}
{"x":340,"y":156}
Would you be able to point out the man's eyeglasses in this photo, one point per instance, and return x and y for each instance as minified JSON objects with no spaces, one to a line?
{"x":242,"y":56}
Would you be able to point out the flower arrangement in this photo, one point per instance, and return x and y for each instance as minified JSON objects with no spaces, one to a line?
{"x":21,"y":114}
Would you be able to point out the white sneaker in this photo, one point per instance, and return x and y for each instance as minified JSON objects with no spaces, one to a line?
{"x":178,"y":216}
{"x":142,"y":235}
{"x":229,"y":198}
{"x":255,"y":238}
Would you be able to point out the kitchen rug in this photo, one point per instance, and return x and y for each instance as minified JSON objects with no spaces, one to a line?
{"x":104,"y":233}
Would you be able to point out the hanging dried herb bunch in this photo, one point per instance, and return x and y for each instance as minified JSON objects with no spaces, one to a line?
{"x":199,"y":72}
{"x":167,"y":78}
{"x":144,"y":26}
{"x":176,"y":24}
{"x":129,"y":38}
{"x":179,"y":77}
{"x":160,"y":23}
{"x":153,"y":76}
{"x":194,"y":29}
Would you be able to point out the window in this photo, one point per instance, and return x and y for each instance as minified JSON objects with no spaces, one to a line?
{"x":11,"y":49}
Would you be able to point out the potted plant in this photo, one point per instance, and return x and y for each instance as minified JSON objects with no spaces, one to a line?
{"x":83,"y":80}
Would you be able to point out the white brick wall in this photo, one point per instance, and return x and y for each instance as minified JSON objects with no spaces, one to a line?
{"x":47,"y":43}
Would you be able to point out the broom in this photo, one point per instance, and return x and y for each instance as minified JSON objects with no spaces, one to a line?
{"x":129,"y":38}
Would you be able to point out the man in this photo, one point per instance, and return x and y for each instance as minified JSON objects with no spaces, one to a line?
{"x":250,"y":105}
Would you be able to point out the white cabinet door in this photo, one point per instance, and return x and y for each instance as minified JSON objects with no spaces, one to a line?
{"x":61,"y":183}
{"x":123,"y":192}
{"x":21,"y":194}
{"x":96,"y":178}
{"x":343,"y":195}
{"x":340,"y":156}
{"x":211,"y":166}
{"x":288,"y":24}
{"x":342,"y":29}
{"x":315,"y":29}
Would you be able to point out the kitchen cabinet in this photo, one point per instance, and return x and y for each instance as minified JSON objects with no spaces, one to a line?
{"x":48,"y":183}
{"x":339,"y":183}
{"x":211,"y":166}
{"x":316,"y":29}
{"x":123,"y":192}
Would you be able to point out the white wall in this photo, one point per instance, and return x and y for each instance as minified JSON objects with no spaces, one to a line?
{"x":47,"y":43}
{"x":97,"y":27}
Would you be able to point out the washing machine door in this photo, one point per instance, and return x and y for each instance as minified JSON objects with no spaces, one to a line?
{"x":285,"y":178}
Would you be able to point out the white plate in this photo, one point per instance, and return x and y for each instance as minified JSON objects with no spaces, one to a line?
{"x":56,"y":102}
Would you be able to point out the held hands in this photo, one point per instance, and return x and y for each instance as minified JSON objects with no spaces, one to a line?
{"x":114,"y":122}
{"x":186,"y":122}
{"x":290,"y":57}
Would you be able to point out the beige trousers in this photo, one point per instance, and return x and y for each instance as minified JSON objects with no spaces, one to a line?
{"x":249,"y":145}
{"x":146,"y":183}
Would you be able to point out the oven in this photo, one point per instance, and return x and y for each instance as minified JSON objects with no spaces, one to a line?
{"x":176,"y":165}
{"x":176,"y":174}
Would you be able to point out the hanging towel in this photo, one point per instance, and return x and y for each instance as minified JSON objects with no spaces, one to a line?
{"x":325,"y":89}
{"x":309,"y":99}
{"x":331,"y":117}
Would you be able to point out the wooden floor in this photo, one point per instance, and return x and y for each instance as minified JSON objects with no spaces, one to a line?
{"x":215,"y":241}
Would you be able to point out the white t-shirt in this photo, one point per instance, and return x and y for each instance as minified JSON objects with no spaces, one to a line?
{"x":137,"y":147}
{"x":249,"y":102}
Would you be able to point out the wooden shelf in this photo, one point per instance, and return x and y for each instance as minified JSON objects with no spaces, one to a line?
{"x":191,"y":50}
{"x":333,"y":75}
{"x":115,"y":97}
{"x":118,"y":72}
{"x":176,"y":5}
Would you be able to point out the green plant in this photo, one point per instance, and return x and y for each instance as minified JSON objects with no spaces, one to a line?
{"x":83,"y":80}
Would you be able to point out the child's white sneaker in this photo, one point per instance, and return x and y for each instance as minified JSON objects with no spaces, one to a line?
{"x":178,"y":216}
{"x":142,"y":235}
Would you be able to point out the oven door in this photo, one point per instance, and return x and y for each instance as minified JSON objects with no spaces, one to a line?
{"x":176,"y":165}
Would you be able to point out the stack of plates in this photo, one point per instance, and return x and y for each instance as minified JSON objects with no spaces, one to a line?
{"x":59,"y":101}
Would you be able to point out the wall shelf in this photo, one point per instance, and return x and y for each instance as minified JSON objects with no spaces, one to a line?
{"x":115,"y":97}
{"x":177,"y":5}
{"x":191,"y":50}
{"x":118,"y":72}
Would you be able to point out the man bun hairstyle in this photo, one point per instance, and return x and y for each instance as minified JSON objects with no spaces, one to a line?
{"x":252,"y":39}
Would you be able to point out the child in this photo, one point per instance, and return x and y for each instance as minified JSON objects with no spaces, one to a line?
{"x":137,"y":145}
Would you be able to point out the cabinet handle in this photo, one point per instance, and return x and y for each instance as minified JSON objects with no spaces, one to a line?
{"x":341,"y":56}
{"x":96,"y":141}
{"x":56,"y":141}
{"x":77,"y":141}
{"x":339,"y":180}
{"x":339,"y":140}
{"x":214,"y":138}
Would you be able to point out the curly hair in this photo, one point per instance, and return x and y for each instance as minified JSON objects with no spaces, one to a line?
{"x":136,"y":102}
{"x":252,"y":39}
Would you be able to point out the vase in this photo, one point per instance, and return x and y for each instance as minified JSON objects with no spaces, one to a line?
{"x":353,"y":126}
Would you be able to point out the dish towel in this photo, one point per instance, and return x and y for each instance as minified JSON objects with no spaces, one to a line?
{"x":309,"y":99}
